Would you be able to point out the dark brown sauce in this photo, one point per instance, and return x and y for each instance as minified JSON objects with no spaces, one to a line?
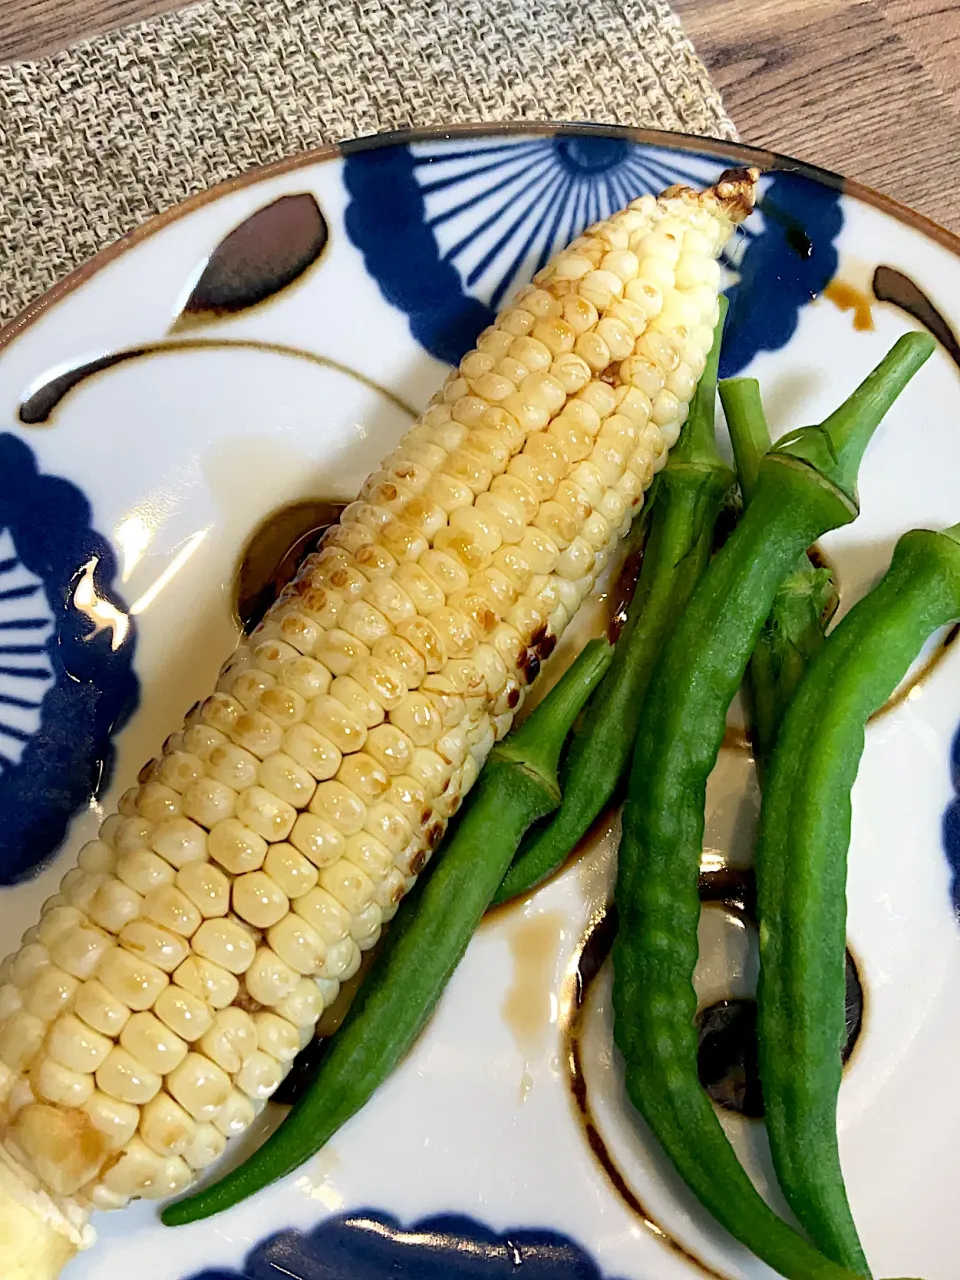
{"x":594,"y":951}
{"x":621,"y":594}
{"x":890,"y":285}
{"x":732,"y":887}
{"x":270,"y":558}
{"x":847,"y":297}
{"x":923,"y":672}
{"x":737,"y":738}
{"x":597,"y":832}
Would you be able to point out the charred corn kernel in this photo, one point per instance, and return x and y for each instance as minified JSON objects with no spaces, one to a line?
{"x":207,"y":801}
{"x":122,"y":1077}
{"x":265,"y":814}
{"x":166,"y":1128}
{"x":152,"y":1043}
{"x":208,"y":981}
{"x":305,"y":795}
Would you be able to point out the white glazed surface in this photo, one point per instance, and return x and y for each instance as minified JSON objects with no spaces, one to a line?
{"x":203,"y":444}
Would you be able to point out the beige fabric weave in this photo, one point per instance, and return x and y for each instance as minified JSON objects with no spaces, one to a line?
{"x":96,"y":139}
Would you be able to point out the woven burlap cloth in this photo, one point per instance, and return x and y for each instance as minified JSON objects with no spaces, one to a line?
{"x":97,"y":138}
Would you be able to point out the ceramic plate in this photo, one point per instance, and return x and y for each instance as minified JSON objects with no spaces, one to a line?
{"x":262,"y":347}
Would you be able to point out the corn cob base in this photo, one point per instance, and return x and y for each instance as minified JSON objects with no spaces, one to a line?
{"x":166,"y":989}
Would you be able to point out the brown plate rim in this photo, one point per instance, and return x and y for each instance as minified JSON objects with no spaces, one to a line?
{"x":736,"y":151}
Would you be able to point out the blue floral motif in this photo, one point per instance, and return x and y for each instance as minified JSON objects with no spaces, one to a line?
{"x":448,"y":228}
{"x":66,"y":652}
{"x":373,"y":1246}
{"x":951,"y":825}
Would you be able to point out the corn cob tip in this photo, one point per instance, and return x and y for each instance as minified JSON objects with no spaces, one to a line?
{"x":735,"y":191}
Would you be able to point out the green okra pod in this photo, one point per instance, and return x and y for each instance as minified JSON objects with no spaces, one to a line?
{"x":805,"y":486}
{"x":806,"y":600}
{"x":425,"y":944}
{"x":801,"y":871}
{"x":692,"y":490}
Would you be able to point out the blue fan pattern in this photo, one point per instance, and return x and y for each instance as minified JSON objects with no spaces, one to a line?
{"x":450,"y":228}
{"x":371,"y":1246}
{"x":66,"y":659}
{"x":26,"y":672}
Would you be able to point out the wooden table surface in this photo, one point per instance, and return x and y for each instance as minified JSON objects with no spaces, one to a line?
{"x":870,"y":88}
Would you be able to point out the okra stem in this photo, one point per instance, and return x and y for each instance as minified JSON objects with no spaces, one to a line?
{"x":747,"y":424}
{"x":805,"y":601}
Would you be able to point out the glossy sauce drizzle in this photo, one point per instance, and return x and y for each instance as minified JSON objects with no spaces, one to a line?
{"x":277,"y":546}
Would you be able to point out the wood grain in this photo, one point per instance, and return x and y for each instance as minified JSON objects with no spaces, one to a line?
{"x":869,"y":88}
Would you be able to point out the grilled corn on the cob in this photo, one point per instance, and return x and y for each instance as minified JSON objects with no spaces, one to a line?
{"x":185,"y":961}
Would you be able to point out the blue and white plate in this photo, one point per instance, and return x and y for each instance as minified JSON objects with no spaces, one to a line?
{"x":262,"y":346}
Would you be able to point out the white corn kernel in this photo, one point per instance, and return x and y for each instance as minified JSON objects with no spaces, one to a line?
{"x":260,"y":1076}
{"x":208,"y":1144}
{"x":258,"y":900}
{"x":302,"y":1006}
{"x":183,"y":1012}
{"x":236,"y":847}
{"x":152,"y":1043}
{"x":231,"y":1039}
{"x":166,"y":1128}
{"x":131,"y":979}
{"x":124,"y":1078}
{"x":144,"y":870}
{"x":114,"y":1120}
{"x":297,"y":944}
{"x":208,"y":981}
{"x":58,"y":1084}
{"x":225,"y":942}
{"x":290,"y":871}
{"x":236,"y":1115}
{"x":48,"y":993}
{"x":171,"y":909}
{"x":269,"y":980}
{"x":152,"y":942}
{"x":100,"y":1009}
{"x":200,"y":1086}
{"x":75,"y":1045}
{"x":207,"y":888}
